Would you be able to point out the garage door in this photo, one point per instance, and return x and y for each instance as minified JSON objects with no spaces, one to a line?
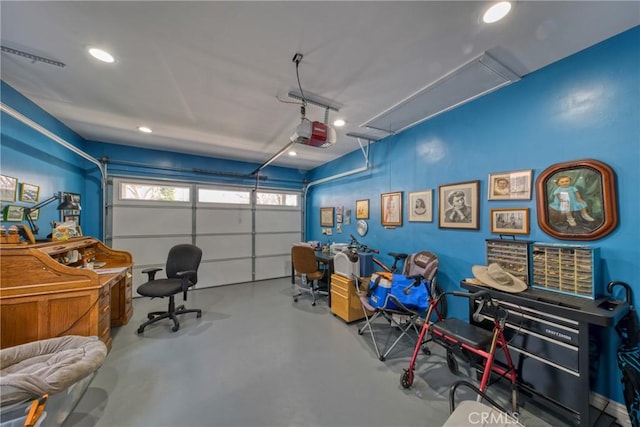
{"x":244,"y":234}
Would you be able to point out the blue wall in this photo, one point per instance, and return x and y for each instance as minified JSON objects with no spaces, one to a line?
{"x":585,"y":106}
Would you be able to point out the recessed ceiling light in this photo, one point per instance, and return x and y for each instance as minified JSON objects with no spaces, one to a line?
{"x":100,"y":54}
{"x":496,"y":12}
{"x":339,"y":122}
{"x":144,"y":129}
{"x":293,"y":153}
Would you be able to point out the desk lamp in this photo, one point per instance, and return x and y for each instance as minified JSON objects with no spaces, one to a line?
{"x":67,"y":204}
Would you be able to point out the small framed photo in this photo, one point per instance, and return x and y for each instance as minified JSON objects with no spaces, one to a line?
{"x":511,"y":185}
{"x":362,"y":209}
{"x":29,"y":193}
{"x":459,"y":205}
{"x":510,"y":221}
{"x":8,"y":188}
{"x":391,"y":209}
{"x":35,"y":215}
{"x":326,"y":217}
{"x":339,"y":218}
{"x":13,"y":213}
{"x":420,"y":206}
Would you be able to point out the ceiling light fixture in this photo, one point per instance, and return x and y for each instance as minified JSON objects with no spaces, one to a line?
{"x":102,"y":55}
{"x":339,"y":123}
{"x":496,"y":12}
{"x":293,"y":153}
{"x":144,"y":129}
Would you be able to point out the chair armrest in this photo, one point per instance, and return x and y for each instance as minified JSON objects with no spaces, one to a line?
{"x":185,"y":277}
{"x":151,"y":272}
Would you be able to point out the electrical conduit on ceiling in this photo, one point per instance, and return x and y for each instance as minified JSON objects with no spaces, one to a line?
{"x":35,"y":126}
{"x":364,"y":168}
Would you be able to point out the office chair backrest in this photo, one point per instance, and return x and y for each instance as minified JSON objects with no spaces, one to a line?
{"x":424,"y":263}
{"x":304,"y":259}
{"x":182,"y":258}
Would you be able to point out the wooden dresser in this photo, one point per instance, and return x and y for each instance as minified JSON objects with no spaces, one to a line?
{"x":46,"y":292}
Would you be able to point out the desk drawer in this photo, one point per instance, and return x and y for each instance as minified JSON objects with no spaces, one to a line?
{"x":342,"y":283}
{"x":348,"y":309}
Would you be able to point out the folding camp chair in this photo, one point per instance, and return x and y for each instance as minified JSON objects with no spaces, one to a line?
{"x":391,"y":314}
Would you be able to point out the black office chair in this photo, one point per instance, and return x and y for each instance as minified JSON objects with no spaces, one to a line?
{"x":182,"y":273}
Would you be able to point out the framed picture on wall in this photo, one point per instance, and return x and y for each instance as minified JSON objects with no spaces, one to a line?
{"x":577,"y":200}
{"x":71,"y":212}
{"x":459,"y":205}
{"x":510,"y":221}
{"x":420,"y":206}
{"x":326,"y":217}
{"x":8,"y":188}
{"x":510,"y":185}
{"x":362,"y":209}
{"x":391,"y":209}
{"x":13,"y":213}
{"x":29,"y":193}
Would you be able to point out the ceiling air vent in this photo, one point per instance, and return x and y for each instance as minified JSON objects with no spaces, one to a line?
{"x":478,"y":77}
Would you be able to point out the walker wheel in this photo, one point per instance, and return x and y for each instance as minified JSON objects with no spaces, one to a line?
{"x":426,"y":350}
{"x":452,"y":363}
{"x":406,"y":379}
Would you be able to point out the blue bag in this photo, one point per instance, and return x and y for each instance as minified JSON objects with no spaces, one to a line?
{"x":412,"y":297}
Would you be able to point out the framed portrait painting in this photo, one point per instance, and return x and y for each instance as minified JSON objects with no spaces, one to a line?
{"x":326,"y":217}
{"x":362,"y":209}
{"x":510,"y":185}
{"x":459,"y":205}
{"x":391,"y":209}
{"x":420,"y":206}
{"x":577,"y":200}
{"x":510,"y":221}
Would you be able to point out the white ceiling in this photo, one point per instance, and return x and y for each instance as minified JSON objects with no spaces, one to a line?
{"x":205,"y":75}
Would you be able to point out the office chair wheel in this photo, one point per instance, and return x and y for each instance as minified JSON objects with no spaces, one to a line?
{"x":150,"y":316}
{"x":140,"y":330}
{"x":452,"y":363}
{"x":406,"y":380}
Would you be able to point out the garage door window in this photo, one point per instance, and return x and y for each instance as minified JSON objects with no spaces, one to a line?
{"x":167,"y":193}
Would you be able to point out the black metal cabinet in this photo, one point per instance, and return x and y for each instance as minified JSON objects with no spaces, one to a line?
{"x":549,"y":339}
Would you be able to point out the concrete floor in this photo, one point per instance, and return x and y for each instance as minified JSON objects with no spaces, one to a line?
{"x":256,"y":358}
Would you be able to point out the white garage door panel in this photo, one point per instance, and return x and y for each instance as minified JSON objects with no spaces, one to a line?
{"x":149,"y":221}
{"x":272,"y":267}
{"x":216,"y":273}
{"x":277,"y":220}
{"x":149,"y":250}
{"x":224,"y":246}
{"x":275,"y":244}
{"x":223,"y":220}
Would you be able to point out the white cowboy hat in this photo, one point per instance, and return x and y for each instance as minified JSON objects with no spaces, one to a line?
{"x":495,"y":277}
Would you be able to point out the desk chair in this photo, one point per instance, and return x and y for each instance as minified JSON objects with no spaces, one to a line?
{"x":182,"y":273}
{"x":305,"y":266}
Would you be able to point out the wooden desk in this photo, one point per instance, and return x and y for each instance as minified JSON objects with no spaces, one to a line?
{"x":44,"y":294}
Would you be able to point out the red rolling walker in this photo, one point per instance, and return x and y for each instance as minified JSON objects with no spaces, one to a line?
{"x":473,"y":342}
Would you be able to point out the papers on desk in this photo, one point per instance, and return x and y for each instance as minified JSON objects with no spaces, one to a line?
{"x":114,"y":270}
